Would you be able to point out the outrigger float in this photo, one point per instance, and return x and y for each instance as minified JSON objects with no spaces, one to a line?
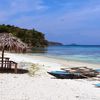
{"x":75,"y":73}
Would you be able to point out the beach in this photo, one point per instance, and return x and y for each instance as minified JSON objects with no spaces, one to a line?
{"x":49,"y":49}
{"x":43,"y":86}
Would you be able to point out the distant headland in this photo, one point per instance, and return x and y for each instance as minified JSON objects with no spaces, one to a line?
{"x":31,"y":37}
{"x":83,"y":45}
{"x":50,"y":43}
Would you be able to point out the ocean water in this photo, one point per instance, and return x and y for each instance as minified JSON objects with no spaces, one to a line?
{"x":90,"y":54}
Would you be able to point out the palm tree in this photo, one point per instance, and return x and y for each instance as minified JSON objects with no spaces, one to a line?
{"x":9,"y":42}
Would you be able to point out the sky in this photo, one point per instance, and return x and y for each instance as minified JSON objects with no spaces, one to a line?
{"x":66,"y":21}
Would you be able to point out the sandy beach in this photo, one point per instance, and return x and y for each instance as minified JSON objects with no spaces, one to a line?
{"x":43,"y":86}
{"x":49,"y":49}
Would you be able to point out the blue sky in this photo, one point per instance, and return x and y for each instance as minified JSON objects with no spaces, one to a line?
{"x":66,"y":21}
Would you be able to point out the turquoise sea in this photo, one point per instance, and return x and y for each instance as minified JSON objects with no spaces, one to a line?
{"x":83,"y":53}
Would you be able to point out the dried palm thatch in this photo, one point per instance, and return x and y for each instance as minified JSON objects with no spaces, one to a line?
{"x":9,"y":42}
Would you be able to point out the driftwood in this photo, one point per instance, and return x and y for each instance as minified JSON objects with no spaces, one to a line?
{"x":83,"y":71}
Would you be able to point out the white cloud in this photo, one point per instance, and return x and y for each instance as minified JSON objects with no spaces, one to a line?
{"x":20,"y":7}
{"x":26,"y":5}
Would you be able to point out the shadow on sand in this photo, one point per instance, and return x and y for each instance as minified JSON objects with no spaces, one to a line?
{"x":19,"y":71}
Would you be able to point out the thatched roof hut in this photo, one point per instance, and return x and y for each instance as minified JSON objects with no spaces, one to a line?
{"x":11,"y":43}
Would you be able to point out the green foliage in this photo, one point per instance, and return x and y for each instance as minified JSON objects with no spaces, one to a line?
{"x":30,"y":36}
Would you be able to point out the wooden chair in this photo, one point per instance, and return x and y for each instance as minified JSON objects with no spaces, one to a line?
{"x":8,"y":64}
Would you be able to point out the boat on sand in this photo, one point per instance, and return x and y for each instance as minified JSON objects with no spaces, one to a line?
{"x":74,"y":73}
{"x":65,"y":75}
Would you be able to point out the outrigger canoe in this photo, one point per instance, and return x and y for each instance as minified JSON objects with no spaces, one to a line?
{"x":97,"y":70}
{"x":65,"y":75}
{"x":75,"y":73}
{"x":97,"y":85}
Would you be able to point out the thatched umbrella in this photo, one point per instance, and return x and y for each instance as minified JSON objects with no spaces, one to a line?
{"x":9,"y":42}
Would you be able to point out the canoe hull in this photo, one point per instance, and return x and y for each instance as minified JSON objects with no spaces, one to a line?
{"x":64,"y":75}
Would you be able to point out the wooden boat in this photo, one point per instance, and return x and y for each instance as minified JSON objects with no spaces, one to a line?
{"x":97,"y":70}
{"x":97,"y":85}
{"x":75,"y":73}
{"x":84,"y":71}
{"x":66,"y":75}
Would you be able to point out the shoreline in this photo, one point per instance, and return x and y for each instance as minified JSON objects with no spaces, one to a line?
{"x":44,"y":59}
{"x":54,"y":57}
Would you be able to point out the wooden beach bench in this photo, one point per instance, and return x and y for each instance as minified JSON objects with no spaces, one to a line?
{"x":8,"y":64}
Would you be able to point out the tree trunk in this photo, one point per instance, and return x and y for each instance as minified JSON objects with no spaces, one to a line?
{"x":2,"y":57}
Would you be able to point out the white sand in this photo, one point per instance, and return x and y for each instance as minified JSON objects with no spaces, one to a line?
{"x":44,"y":86}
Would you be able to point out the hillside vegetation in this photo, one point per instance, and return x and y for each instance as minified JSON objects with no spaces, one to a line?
{"x":30,"y":36}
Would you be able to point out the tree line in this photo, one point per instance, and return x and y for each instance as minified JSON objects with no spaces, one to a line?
{"x":32,"y":37}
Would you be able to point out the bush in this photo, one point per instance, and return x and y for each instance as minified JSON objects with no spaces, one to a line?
{"x":33,"y":69}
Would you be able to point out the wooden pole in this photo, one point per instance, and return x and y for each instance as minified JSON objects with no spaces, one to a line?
{"x":16,"y":68}
{"x":2,"y":57}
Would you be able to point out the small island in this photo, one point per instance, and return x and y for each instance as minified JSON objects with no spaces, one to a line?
{"x":50,"y":43}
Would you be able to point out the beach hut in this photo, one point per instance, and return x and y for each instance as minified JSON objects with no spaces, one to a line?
{"x":11,"y":43}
